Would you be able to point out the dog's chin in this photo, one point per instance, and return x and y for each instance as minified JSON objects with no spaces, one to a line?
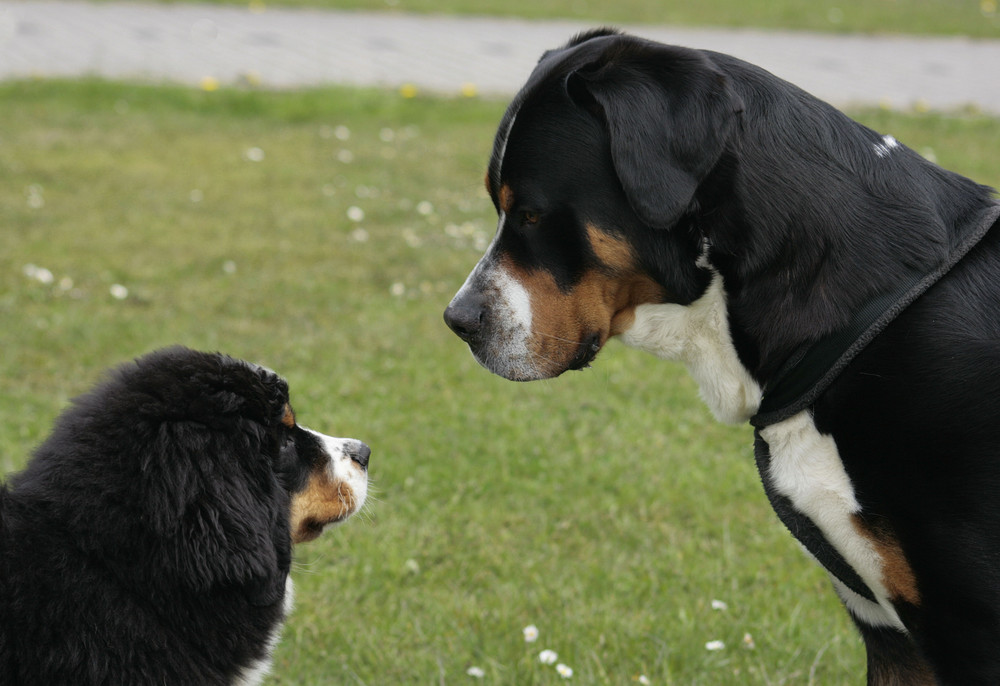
{"x":536,"y":367}
{"x":586,"y":352}
{"x":311,"y":529}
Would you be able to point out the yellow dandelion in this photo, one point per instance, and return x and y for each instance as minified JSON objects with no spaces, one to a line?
{"x":469,"y":90}
{"x":209,"y":84}
{"x":408,"y":90}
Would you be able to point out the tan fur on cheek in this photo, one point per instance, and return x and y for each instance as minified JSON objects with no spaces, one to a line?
{"x":323,"y":502}
{"x":626,"y":287}
{"x":556,"y":328}
{"x":602,"y":302}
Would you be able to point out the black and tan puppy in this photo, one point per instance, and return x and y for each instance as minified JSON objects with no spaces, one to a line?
{"x":149,"y":539}
{"x":818,"y":279}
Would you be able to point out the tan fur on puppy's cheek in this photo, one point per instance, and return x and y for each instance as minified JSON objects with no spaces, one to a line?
{"x":324,"y":501}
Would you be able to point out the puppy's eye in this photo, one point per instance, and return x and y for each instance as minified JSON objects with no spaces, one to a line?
{"x":529,"y":218}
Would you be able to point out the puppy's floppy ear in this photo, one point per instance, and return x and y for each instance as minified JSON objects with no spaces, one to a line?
{"x":669,"y":114}
{"x":216,"y":509}
{"x":208,"y":488}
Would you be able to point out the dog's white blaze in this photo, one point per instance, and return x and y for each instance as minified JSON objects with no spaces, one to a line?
{"x":806,"y":468}
{"x":514,"y":297}
{"x":507,"y":352}
{"x":254,"y":674}
{"x":698,"y":336}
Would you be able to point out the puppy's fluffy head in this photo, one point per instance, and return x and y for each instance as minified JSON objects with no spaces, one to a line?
{"x":194,"y":463}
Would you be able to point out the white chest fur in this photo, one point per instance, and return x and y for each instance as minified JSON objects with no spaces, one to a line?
{"x":698,"y":336}
{"x":805,"y":465}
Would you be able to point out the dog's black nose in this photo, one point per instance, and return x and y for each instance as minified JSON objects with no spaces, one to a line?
{"x":464,"y":316}
{"x":360,"y":454}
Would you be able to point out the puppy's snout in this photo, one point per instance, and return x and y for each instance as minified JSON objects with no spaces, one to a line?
{"x":465,"y":316}
{"x":359,"y":453}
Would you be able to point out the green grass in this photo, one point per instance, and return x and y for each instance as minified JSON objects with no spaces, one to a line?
{"x":604,"y":507}
{"x":978,"y":18}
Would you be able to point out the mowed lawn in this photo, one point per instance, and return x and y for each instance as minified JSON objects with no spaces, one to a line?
{"x":322,"y":234}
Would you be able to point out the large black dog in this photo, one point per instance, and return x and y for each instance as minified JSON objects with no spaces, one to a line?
{"x":149,"y":539}
{"x":818,"y":279}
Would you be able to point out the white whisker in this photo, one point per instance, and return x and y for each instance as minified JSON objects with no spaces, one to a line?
{"x":557,"y":338}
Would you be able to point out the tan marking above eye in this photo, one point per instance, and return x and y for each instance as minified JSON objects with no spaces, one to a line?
{"x":611,"y":251}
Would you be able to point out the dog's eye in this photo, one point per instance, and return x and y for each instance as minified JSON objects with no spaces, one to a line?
{"x":529,"y":218}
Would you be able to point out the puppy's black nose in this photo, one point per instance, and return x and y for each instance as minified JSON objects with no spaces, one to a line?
{"x":464,"y":316}
{"x":360,"y":454}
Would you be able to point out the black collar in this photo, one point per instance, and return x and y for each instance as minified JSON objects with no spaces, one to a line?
{"x":813,"y":366}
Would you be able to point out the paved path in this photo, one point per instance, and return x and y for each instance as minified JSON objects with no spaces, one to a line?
{"x":289,"y":48}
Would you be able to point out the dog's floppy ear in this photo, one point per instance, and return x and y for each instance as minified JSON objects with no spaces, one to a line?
{"x":669,"y":114}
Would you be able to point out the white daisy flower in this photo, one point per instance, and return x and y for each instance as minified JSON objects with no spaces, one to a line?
{"x":39,"y":274}
{"x":476,"y":672}
{"x":548,"y":657}
{"x":719,"y":605}
{"x":715,"y":645}
{"x":564,"y":671}
{"x":530,"y":633}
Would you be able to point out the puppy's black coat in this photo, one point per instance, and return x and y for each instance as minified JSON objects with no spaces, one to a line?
{"x":149,"y":539}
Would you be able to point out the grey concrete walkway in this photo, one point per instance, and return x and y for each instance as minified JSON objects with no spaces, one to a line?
{"x":289,"y":48}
